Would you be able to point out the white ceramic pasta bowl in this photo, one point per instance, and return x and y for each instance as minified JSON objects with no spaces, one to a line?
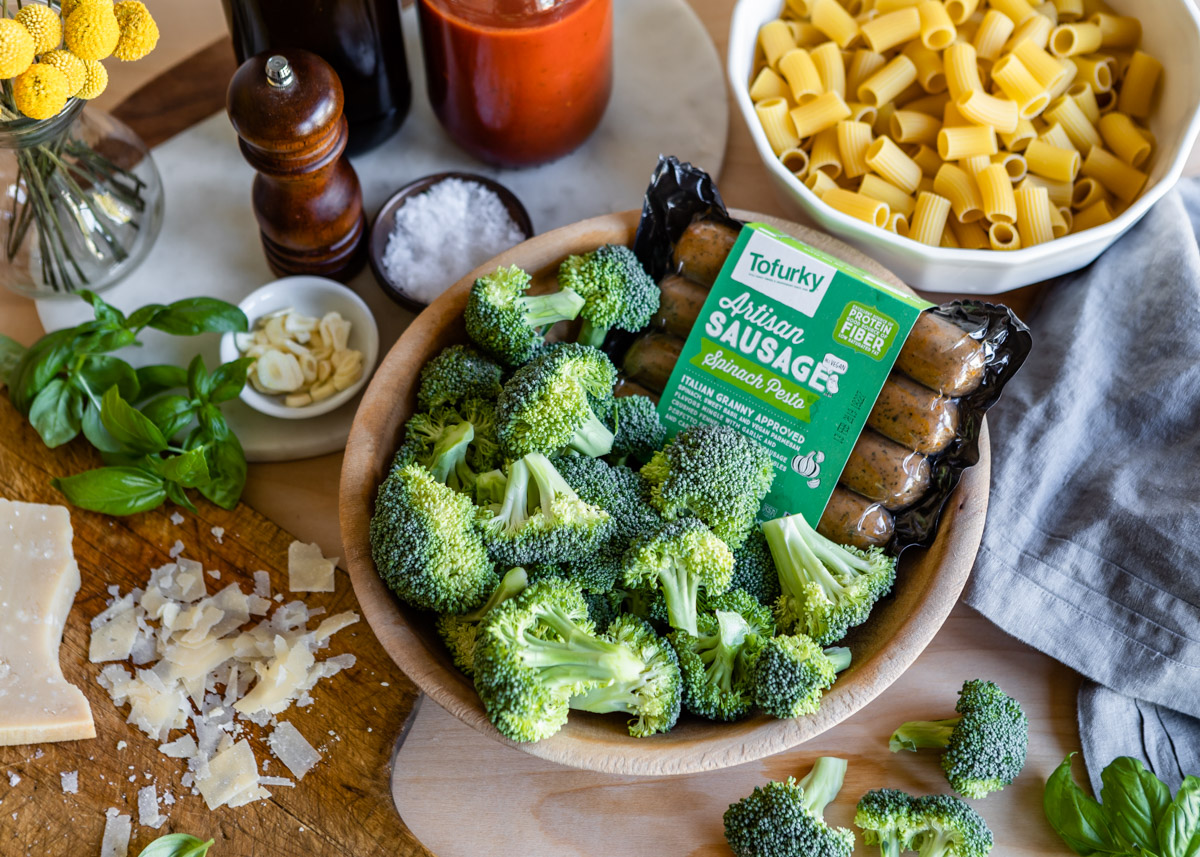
{"x":1170,"y":32}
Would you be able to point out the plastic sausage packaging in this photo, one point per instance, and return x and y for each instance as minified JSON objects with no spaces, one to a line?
{"x":896,"y":389}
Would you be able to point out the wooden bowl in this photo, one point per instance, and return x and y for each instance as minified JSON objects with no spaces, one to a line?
{"x":928,"y":585}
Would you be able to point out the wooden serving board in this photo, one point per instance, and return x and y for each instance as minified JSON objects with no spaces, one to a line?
{"x":342,"y":807}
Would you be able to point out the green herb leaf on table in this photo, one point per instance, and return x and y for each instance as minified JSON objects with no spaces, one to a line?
{"x":114,"y":490}
{"x":159,"y":379}
{"x":188,"y":469}
{"x":1077,"y":818}
{"x":38,"y":366}
{"x":1135,"y":801}
{"x":176,"y":845}
{"x":192,"y":316}
{"x":171,"y":413}
{"x":11,"y":353}
{"x":227,"y":469}
{"x":129,"y":426}
{"x":95,"y":432}
{"x":100,"y":341}
{"x":179,"y":497}
{"x":1179,"y":830}
{"x":56,"y":413}
{"x":101,"y":371}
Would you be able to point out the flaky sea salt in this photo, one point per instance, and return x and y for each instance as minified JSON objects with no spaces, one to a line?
{"x":443,"y":233}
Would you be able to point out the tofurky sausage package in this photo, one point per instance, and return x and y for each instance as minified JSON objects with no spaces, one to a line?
{"x":868,"y":398}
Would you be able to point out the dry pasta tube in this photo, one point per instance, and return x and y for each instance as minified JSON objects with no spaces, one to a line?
{"x":1056,"y":135}
{"x":862,"y":65}
{"x":824,"y":155}
{"x":883,"y":118}
{"x":1069,"y":10}
{"x":1020,"y":138}
{"x":796,"y":162}
{"x":884,"y":191}
{"x":909,"y":126}
{"x":960,"y":10}
{"x":1052,"y":162}
{"x":962,"y":69}
{"x":1106,"y":101}
{"x":824,"y":111}
{"x":805,"y":34}
{"x":775,"y":39}
{"x":971,"y":236}
{"x":860,"y":112}
{"x":996,"y":190}
{"x":1065,"y":82}
{"x":976,"y":164}
{"x":965,"y":141}
{"x":925,"y":185}
{"x":1046,"y":70}
{"x":1059,"y":192}
{"x":799,"y":8}
{"x":832,"y":19}
{"x":929,"y":219}
{"x":1013,"y":163}
{"x":1069,"y":40}
{"x":857,"y":205}
{"x":1082,"y":94}
{"x":1003,"y":236}
{"x":1087,"y":192}
{"x":934,"y":104}
{"x":832,"y":69}
{"x":1018,"y":10}
{"x":1096,"y":72}
{"x":854,"y":138}
{"x":886,"y":158}
{"x":1016,"y":81}
{"x":898,"y":223}
{"x":1036,"y":28}
{"x":884,"y":7}
{"x":980,"y":108}
{"x":927,"y":159}
{"x":884,"y":85}
{"x":1117,"y":31}
{"x":798,"y":70}
{"x":1119,"y":178}
{"x":937,"y":30}
{"x":767,"y":84}
{"x":1141,"y":80}
{"x":993,"y":33}
{"x":930,"y":73}
{"x":1033,"y":216}
{"x":1060,"y":221}
{"x":1065,"y":112}
{"x":819,"y":182}
{"x":948,"y":237}
{"x":777,"y":125}
{"x":895,"y":28}
{"x":955,"y":185}
{"x":1125,"y":139}
{"x":1096,"y":214}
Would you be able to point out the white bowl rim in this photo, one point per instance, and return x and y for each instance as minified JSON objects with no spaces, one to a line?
{"x":982,"y":259}
{"x":267,"y":404}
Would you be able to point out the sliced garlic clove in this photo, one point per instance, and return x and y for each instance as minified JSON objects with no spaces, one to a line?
{"x":243,"y":341}
{"x":308,"y":366}
{"x":335,"y":330}
{"x":280,"y":372}
{"x":296,"y":348}
{"x":297,"y":323}
{"x":298,"y":400}
{"x":324,"y":370}
{"x":276,"y":335}
{"x":322,"y":391}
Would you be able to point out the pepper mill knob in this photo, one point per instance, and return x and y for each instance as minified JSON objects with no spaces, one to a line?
{"x":286,"y":107}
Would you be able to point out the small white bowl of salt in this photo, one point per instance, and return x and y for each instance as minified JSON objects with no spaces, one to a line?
{"x":434,"y":230}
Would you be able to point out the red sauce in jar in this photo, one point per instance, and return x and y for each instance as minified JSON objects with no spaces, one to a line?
{"x":518,"y":82}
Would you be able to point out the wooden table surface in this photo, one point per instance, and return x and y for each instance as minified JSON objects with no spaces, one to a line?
{"x":444,"y":767}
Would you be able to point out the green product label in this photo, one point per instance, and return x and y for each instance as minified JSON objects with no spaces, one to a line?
{"x":791,"y":348}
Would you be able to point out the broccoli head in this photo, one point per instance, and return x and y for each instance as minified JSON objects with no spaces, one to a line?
{"x":715,"y":473}
{"x":460,"y":633}
{"x":426,"y":545}
{"x":678,"y":559}
{"x":754,"y":570}
{"x":784,"y":819}
{"x":984,"y":746}
{"x":826,"y":588}
{"x":888,"y":818}
{"x":616,"y":290}
{"x":506,"y":322}
{"x":948,"y":827}
{"x":541,"y":519}
{"x":652,"y":699}
{"x":536,"y":651}
{"x":638,"y":432}
{"x":454,"y":443}
{"x":457,"y":373}
{"x":792,"y":672}
{"x":545,"y":406}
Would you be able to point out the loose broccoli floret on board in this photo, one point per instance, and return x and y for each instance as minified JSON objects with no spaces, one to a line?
{"x":679,"y":559}
{"x":784,"y":819}
{"x":715,"y":473}
{"x":541,"y":519}
{"x":506,"y":322}
{"x":791,"y":673}
{"x":455,"y":443}
{"x":545,"y":405}
{"x":985,"y":745}
{"x":638,"y":432}
{"x":754,"y":569}
{"x":652,"y":699}
{"x":426,"y":545}
{"x":888,"y":818}
{"x":616,"y":290}
{"x":460,"y":633}
{"x":827,"y":588}
{"x":458,"y":373}
{"x":949,"y":828}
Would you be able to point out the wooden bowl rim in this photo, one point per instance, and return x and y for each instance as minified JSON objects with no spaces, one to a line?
{"x":722,"y":744}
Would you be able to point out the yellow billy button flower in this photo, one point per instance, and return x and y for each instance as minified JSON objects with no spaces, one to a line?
{"x":69,"y":6}
{"x":43,"y":24}
{"x":16,"y":48}
{"x":139,"y":33}
{"x":91,"y":31}
{"x":70,"y":65}
{"x":41,"y":91}
{"x":95,"y":80}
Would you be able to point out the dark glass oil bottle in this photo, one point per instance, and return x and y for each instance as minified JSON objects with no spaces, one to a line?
{"x":361,"y":39}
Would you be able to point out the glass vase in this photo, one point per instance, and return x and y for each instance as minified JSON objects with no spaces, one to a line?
{"x":82,"y":203}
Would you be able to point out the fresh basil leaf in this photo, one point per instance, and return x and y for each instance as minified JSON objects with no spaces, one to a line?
{"x":95,"y":432}
{"x":228,"y":380}
{"x":192,"y":316}
{"x":142,"y":316}
{"x":128,"y":426}
{"x":159,"y":379}
{"x":227,"y":469}
{"x":1135,"y":801}
{"x":101,"y":341}
{"x":11,"y":353}
{"x":1078,"y":819}
{"x":189,"y":469}
{"x":103,"y":311}
{"x":171,"y":413}
{"x":1179,"y":830}
{"x":57,"y":412}
{"x":40,"y":363}
{"x":212,"y":421}
{"x":198,"y":379}
{"x":113,"y":490}
{"x":176,"y":845}
{"x":101,"y":371}
{"x":177,"y":496}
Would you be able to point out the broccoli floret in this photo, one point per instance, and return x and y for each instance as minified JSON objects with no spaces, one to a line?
{"x":489,"y":487}
{"x":754,"y":570}
{"x":985,"y":745}
{"x":949,"y":828}
{"x":638,"y":432}
{"x":652,"y":699}
{"x":827,"y":588}
{"x":679,"y":558}
{"x":538,"y":650}
{"x":541,"y":519}
{"x":718,"y":662}
{"x":545,"y":408}
{"x":792,"y":672}
{"x":453,"y":442}
{"x":888,"y":818}
{"x":460,"y":633}
{"x":616,"y":290}
{"x":715,"y":473}
{"x":458,"y":373}
{"x":784,"y":819}
{"x":507,"y":323}
{"x":603,"y":608}
{"x":426,"y":545}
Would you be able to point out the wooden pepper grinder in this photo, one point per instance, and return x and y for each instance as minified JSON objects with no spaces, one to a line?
{"x":286,"y":107}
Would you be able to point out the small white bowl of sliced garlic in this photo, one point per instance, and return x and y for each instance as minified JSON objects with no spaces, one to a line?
{"x":314,"y":344}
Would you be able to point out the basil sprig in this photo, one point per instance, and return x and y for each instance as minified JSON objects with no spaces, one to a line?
{"x":68,"y":384}
{"x":176,"y":845}
{"x":1135,"y":815}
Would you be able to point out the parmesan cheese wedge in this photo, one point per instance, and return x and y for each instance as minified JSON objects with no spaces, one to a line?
{"x":38,"y":582}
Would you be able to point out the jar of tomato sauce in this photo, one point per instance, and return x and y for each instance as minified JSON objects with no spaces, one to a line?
{"x":518,"y":82}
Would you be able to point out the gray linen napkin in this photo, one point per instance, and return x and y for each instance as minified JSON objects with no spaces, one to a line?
{"x":1091,"y":551}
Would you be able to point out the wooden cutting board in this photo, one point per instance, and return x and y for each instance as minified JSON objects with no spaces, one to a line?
{"x":343,"y":806}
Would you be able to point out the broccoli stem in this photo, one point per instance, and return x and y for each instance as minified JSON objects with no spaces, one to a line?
{"x":680,"y":589}
{"x":490,"y":487}
{"x":936,"y":844}
{"x":592,"y":438}
{"x":617,"y":697}
{"x":840,"y":656}
{"x":515,"y":509}
{"x":918,"y":734}
{"x":792,"y":537}
{"x":822,"y":783}
{"x":889,"y":846}
{"x":592,"y":334}
{"x":549,"y":484}
{"x":722,"y":656}
{"x":451,"y":451}
{"x":580,"y":657}
{"x":511,"y":585}
{"x":544,"y":310}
